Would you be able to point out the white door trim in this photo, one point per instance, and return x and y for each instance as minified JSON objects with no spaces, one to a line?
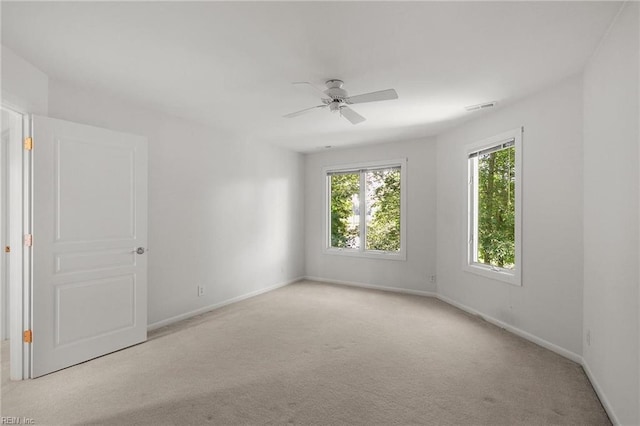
{"x":19,"y":260}
{"x":4,"y":233}
{"x":27,"y":226}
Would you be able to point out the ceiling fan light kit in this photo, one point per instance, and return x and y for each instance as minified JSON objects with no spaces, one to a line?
{"x":337,"y":99}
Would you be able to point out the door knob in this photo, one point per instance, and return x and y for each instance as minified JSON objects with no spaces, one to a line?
{"x":140,"y":250}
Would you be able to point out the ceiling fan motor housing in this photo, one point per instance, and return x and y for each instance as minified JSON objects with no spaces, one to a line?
{"x":335,"y":90}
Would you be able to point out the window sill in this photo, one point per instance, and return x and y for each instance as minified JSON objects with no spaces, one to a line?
{"x":369,"y":254}
{"x":510,"y":277}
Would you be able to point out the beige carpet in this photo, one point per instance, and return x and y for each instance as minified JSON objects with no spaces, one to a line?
{"x":313,"y":353}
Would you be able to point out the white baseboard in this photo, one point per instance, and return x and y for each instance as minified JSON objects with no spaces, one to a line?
{"x":373,"y":287}
{"x":164,"y":322}
{"x":532,"y":338}
{"x":515,"y":330}
{"x":603,"y":398}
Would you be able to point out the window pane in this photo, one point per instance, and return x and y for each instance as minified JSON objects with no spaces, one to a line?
{"x":496,"y":208}
{"x":345,"y":210}
{"x":382,"y":201}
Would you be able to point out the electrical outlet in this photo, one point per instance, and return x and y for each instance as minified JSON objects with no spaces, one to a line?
{"x":588,"y":337}
{"x":200,"y":290}
{"x":433,"y":279}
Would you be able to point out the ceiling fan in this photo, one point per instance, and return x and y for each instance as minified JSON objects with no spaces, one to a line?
{"x":337,"y":99}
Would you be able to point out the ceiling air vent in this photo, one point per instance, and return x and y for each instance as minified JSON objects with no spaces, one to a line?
{"x":481,"y":106}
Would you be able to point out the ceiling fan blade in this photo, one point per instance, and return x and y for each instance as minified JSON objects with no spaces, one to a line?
{"x":382,"y":95}
{"x":351,"y":115}
{"x":303,"y":111}
{"x":315,"y":90}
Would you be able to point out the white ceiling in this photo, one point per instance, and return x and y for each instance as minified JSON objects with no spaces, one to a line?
{"x":230,"y":65}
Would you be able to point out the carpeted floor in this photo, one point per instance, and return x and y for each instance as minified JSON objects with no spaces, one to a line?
{"x":313,"y":353}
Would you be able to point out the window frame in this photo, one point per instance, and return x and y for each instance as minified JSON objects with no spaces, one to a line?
{"x":362,"y":251}
{"x":511,"y":276}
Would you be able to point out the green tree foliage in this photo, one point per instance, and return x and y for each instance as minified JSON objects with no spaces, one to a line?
{"x":383,"y":232}
{"x":343,"y":189}
{"x":496,"y":208}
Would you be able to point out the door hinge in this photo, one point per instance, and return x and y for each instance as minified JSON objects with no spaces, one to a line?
{"x":28,"y":240}
{"x":7,"y":249}
{"x":27,"y":336}
{"x":28,"y":143}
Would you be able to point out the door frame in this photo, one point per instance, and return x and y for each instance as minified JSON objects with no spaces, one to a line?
{"x":19,"y":199}
{"x":4,"y":233}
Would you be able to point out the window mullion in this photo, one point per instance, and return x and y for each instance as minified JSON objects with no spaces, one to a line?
{"x":475,"y":195}
{"x":473,"y":188}
{"x":470,"y":212}
{"x":363,"y":213}
{"x":327,"y":234}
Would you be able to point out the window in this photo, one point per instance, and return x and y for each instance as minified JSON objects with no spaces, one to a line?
{"x":365,"y":210}
{"x":493,"y":208}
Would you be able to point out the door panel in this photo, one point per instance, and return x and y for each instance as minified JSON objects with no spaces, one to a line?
{"x":105,"y":305}
{"x":89,"y":289}
{"x":95,"y":198}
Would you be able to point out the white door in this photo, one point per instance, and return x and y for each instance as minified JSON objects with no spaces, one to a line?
{"x":89,"y":204}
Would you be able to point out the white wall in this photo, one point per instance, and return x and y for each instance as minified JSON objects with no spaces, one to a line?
{"x":23,"y":86}
{"x":412,"y":274}
{"x":549,"y":303}
{"x":223,"y":212}
{"x":611,"y":190}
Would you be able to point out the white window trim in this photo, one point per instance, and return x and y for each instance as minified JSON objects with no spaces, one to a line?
{"x":513,"y":276}
{"x":361,"y":252}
